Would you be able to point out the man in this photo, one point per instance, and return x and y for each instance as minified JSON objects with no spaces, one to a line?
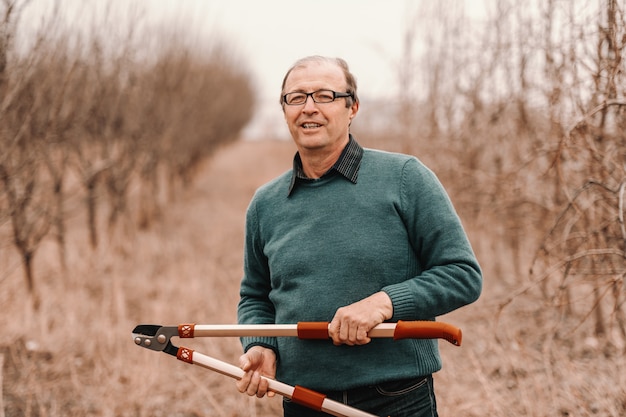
{"x":355,"y":237}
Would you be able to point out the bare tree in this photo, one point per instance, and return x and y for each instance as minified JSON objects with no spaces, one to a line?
{"x":581,"y":264}
{"x":30,"y":218}
{"x":110,"y":117}
{"x":24,"y":182}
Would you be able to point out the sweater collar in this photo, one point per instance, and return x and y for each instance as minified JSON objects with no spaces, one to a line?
{"x":347,"y":165}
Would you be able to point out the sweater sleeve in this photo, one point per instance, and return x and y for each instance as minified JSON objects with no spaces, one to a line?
{"x":254,"y":305}
{"x":450,"y":275}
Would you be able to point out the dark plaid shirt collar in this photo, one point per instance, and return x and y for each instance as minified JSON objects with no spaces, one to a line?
{"x":347,"y":165}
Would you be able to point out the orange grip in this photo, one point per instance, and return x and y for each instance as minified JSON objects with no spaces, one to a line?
{"x":313,"y":330}
{"x":185,"y":354}
{"x":307,"y":397}
{"x":427,"y":330}
{"x":186,"y":330}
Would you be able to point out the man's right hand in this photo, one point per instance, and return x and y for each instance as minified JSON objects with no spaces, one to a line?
{"x":256,"y":362}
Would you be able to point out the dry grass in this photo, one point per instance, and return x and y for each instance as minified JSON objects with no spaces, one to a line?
{"x":76,"y":357}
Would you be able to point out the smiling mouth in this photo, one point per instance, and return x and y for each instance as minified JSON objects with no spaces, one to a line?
{"x":311,"y":125}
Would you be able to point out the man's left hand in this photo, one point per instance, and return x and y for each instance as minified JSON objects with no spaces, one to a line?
{"x":352,"y":323}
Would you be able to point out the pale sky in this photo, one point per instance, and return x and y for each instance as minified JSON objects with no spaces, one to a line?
{"x":272,"y":34}
{"x":269,"y":35}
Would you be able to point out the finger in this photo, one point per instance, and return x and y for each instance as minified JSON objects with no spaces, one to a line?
{"x":253,"y":387}
{"x":343,"y":335}
{"x":354,"y":334}
{"x":263,"y":387}
{"x":344,"y":332}
{"x":362,"y":336}
{"x":244,"y":382}
{"x":333,"y":332}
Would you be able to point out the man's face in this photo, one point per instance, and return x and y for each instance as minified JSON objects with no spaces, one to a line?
{"x":318,"y":126}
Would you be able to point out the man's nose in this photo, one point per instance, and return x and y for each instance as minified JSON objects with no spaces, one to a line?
{"x":309,"y":104}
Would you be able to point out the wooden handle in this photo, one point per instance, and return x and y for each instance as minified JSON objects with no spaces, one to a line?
{"x":303,"y":396}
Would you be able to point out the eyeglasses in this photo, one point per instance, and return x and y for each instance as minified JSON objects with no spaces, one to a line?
{"x":319,"y":96}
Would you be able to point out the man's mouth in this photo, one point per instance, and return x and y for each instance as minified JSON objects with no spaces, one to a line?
{"x":311,"y":125}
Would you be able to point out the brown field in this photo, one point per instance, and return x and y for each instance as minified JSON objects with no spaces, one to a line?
{"x":522,"y":115}
{"x":76,"y":357}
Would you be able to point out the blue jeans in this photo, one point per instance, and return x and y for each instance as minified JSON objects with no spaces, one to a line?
{"x":406,"y":398}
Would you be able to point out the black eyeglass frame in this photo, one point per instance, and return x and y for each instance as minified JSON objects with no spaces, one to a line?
{"x":336,"y":95}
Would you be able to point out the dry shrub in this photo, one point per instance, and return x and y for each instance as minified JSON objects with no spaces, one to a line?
{"x":92,"y":118}
{"x":76,"y":356}
{"x":524,"y":123}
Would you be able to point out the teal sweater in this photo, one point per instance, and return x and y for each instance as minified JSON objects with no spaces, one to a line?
{"x":333,"y":242}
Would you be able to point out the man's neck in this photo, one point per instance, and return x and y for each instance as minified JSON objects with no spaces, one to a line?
{"x":316,"y":162}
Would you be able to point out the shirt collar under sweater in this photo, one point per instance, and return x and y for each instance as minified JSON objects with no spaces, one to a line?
{"x":347,"y":165}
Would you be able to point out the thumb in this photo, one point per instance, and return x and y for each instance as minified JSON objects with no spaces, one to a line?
{"x":250,"y":359}
{"x":244,"y":362}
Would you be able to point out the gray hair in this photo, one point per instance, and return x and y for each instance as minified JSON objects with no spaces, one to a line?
{"x":350,"y":79}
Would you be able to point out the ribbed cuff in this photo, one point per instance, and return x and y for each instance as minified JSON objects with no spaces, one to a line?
{"x":267,"y":342}
{"x":404,"y":304}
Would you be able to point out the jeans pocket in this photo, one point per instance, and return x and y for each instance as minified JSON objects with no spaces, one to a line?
{"x":395,"y":388}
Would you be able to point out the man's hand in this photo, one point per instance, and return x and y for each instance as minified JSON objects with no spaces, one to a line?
{"x":352,"y":323}
{"x":257,"y":362}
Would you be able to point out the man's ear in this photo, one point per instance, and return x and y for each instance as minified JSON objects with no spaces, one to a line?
{"x":354,"y":109}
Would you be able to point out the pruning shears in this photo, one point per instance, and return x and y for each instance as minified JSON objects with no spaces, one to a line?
{"x":158,"y":338}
